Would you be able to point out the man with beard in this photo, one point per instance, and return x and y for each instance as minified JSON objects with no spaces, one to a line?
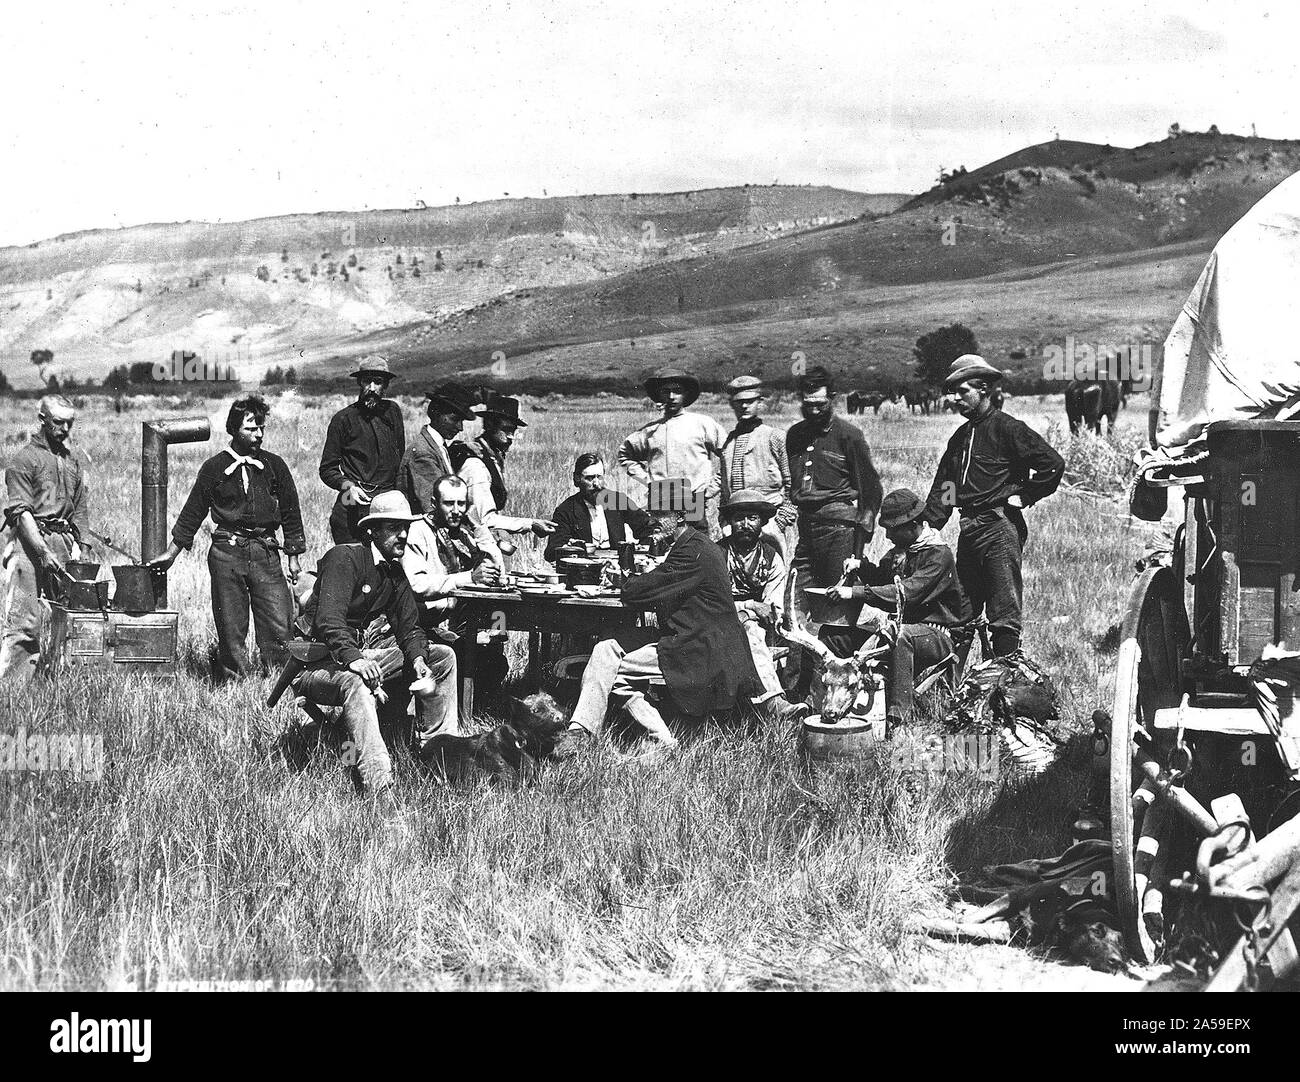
{"x":357,"y":584}
{"x":835,"y":488}
{"x":595,"y":513}
{"x":993,"y":467}
{"x":754,"y":459}
{"x":364,"y":445}
{"x":482,"y":463}
{"x":698,"y":650}
{"x":250,"y":494}
{"x":46,"y":513}
{"x":679,"y":444}
{"x":932,"y":599}
{"x":757,"y":573}
{"x":442,"y":555}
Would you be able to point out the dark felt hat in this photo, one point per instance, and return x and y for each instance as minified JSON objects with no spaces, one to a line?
{"x":690,"y":385}
{"x":675,"y":494}
{"x":455,"y":397}
{"x":900,"y":507}
{"x":503,"y":408}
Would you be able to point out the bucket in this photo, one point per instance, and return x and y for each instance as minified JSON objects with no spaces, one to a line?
{"x":82,"y":570}
{"x":135,"y":589}
{"x":853,"y":738}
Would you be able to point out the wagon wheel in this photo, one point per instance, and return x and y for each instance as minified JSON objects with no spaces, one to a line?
{"x":1153,"y":640}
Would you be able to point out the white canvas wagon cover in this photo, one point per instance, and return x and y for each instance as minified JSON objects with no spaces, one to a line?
{"x":1234,"y":351}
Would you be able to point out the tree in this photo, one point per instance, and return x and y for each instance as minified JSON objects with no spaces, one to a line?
{"x":290,"y":376}
{"x":1175,"y":130}
{"x":935,"y":352}
{"x":118,"y":380}
{"x":4,"y":384}
{"x":272,"y":376}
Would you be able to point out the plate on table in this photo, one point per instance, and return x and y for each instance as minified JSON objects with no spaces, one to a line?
{"x":540,"y":589}
{"x":479,"y":587}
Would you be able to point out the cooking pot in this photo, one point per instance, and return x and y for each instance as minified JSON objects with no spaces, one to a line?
{"x":82,"y":570}
{"x":581,"y":571}
{"x":135,"y":589}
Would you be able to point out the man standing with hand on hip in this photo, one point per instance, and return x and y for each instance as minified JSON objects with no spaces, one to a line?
{"x":363,"y":448}
{"x":993,"y":468}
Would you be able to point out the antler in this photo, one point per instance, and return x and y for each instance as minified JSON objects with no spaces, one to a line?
{"x":788,"y":627}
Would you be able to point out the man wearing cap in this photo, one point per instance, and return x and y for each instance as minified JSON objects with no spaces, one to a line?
{"x":482,"y":463}
{"x":835,"y":488}
{"x":757,"y":572}
{"x":357,"y":585}
{"x":754,"y":458}
{"x":679,"y":444}
{"x":994,"y":467}
{"x":46,"y":513}
{"x":594,"y":513}
{"x":250,"y":494}
{"x":698,"y":650}
{"x":932,"y":599}
{"x":363,"y":448}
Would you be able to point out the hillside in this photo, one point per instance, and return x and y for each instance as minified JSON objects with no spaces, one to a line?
{"x":1164,"y":204}
{"x":291,"y":288}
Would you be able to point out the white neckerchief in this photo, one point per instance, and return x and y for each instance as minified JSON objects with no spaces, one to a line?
{"x":241,"y":463}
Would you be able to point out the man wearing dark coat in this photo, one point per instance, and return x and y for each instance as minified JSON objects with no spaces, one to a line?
{"x":364,"y":445}
{"x":699,"y":649}
{"x":595,"y":513}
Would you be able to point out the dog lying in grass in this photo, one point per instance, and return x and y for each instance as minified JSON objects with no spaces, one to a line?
{"x":510,"y":750}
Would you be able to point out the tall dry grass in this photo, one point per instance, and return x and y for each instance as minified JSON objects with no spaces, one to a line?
{"x":203,"y":854}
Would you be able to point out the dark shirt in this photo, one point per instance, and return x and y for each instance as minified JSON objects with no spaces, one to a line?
{"x":831,"y":475}
{"x":989,"y":460}
{"x":49,"y":484}
{"x":270,"y":503}
{"x":932,"y":593}
{"x":364,"y":447}
{"x":573,"y":520}
{"x":351,"y":591}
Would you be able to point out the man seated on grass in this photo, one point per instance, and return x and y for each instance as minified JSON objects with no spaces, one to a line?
{"x":933,"y":601}
{"x":699,"y":650}
{"x":444,"y":553}
{"x":358,"y":584}
{"x":757,"y":573}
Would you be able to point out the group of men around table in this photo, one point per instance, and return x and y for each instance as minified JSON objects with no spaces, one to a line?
{"x":728,"y":511}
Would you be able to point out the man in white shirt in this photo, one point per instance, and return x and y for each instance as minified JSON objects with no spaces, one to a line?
{"x":679,"y":444}
{"x":595,"y":513}
{"x":442,"y":555}
{"x":482,"y":463}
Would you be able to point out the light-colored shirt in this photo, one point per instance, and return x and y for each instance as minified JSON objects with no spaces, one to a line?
{"x":681,"y":446}
{"x":431,"y":580}
{"x":482,"y":507}
{"x":599,"y":527}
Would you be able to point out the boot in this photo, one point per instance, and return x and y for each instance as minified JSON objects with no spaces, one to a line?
{"x":779,"y":711}
{"x":575,"y":741}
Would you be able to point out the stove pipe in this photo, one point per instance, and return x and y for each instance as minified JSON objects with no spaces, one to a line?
{"x":153,"y":484}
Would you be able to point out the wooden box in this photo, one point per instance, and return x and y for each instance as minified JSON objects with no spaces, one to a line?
{"x":114,"y":640}
{"x":1255,"y":485}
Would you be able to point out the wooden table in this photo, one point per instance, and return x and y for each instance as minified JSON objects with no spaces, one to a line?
{"x":508,"y":610}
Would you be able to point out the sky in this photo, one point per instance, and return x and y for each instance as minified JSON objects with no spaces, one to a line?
{"x":118,"y":113}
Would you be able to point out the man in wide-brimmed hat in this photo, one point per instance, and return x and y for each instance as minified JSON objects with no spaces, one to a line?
{"x":922,"y":567}
{"x":993,"y":467}
{"x":754,"y":458}
{"x":757,"y":571}
{"x":357,"y":584}
{"x":679,"y":444}
{"x":450,"y":406}
{"x":699,"y":649}
{"x":363,"y":448}
{"x":482,"y":463}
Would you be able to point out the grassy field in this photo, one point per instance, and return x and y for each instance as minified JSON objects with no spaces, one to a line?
{"x":200,"y":855}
